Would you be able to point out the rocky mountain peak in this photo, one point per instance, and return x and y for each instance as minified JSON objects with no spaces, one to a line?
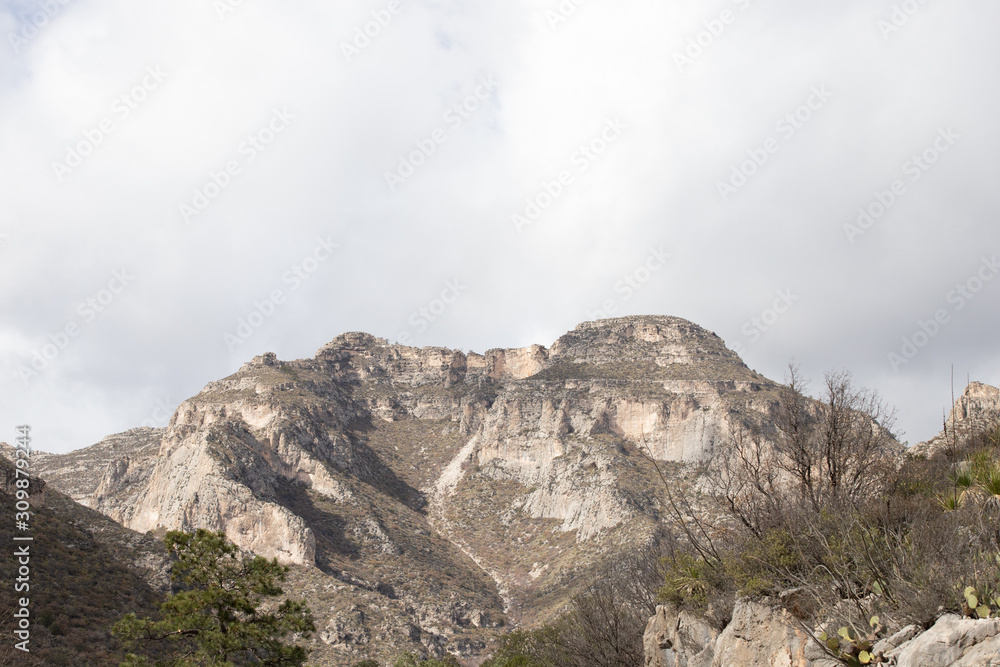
{"x":357,"y":341}
{"x":434,"y":490}
{"x":977,"y":407}
{"x":658,"y":338}
{"x":644,"y":349}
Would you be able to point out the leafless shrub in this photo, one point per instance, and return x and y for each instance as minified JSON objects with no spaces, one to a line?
{"x":818,"y":498}
{"x":808,"y":454}
{"x":605,"y":622}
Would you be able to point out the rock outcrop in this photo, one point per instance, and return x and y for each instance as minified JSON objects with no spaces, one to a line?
{"x":978,"y":407}
{"x":952,"y":642}
{"x":678,"y":639}
{"x":762,"y":635}
{"x":428,"y":496}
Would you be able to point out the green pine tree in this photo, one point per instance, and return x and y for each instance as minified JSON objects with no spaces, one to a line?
{"x":219,"y":618}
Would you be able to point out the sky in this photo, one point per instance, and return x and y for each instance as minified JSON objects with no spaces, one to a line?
{"x":186,"y":185}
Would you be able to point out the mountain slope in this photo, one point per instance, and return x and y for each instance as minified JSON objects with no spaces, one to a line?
{"x":977,"y":408}
{"x":85,"y":572}
{"x":426,"y":497}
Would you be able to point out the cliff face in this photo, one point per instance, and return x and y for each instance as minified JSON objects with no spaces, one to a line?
{"x":978,"y":407}
{"x":427,"y":495}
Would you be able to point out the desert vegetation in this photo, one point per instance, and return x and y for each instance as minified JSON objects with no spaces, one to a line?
{"x":83,"y":585}
{"x":812,"y":504}
{"x":819,"y":508}
{"x":223,"y":613}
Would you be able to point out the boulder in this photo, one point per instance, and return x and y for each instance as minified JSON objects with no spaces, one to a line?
{"x":950,"y":642}
{"x":678,"y":639}
{"x":762,"y":635}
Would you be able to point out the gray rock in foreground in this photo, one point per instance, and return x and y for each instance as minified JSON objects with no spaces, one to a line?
{"x":761,"y":635}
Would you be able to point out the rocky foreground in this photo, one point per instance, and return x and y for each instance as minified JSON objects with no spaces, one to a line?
{"x":766,"y":635}
{"x":770,"y":634}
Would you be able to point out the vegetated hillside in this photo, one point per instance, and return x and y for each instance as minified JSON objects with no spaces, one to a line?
{"x":85,"y":572}
{"x":844,"y":555}
{"x":429,"y":499}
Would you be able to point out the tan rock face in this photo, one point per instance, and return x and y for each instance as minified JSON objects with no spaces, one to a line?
{"x":433,"y":480}
{"x":678,"y":639}
{"x":759,"y":635}
{"x":190,"y":488}
{"x":977,"y":407}
{"x":952,"y":642}
{"x":515,"y":364}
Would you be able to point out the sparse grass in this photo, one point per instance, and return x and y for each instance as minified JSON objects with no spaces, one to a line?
{"x":644,"y":372}
{"x":415,"y":449}
{"x":80,"y":583}
{"x":904,"y":554}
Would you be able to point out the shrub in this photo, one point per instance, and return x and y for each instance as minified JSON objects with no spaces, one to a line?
{"x":523,"y":648}
{"x":816,"y":499}
{"x":219,"y":615}
{"x":410,"y":660}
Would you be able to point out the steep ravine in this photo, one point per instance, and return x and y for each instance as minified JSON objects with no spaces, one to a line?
{"x":428,"y":497}
{"x":443,"y":487}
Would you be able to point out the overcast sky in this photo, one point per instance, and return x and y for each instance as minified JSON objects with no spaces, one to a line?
{"x":188,"y":184}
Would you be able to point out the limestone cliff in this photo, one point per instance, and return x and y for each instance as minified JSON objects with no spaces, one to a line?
{"x":427,"y":496}
{"x":977,"y":407}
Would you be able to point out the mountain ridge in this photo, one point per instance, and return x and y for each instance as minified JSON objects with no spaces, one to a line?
{"x":442,"y":494}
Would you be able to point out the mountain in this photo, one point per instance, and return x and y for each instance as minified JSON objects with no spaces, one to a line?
{"x":426,"y":498}
{"x":977,"y":408}
{"x":84,"y":572}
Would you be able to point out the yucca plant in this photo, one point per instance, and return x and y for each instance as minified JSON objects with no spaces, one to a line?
{"x":950,"y":502}
{"x":978,"y":476}
{"x":989,"y":483}
{"x":962,"y":482}
{"x":962,"y":478}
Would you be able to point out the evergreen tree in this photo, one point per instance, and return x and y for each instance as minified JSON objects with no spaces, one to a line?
{"x":219,"y":618}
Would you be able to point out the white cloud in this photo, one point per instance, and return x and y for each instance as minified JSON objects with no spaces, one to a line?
{"x":325,"y":175}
